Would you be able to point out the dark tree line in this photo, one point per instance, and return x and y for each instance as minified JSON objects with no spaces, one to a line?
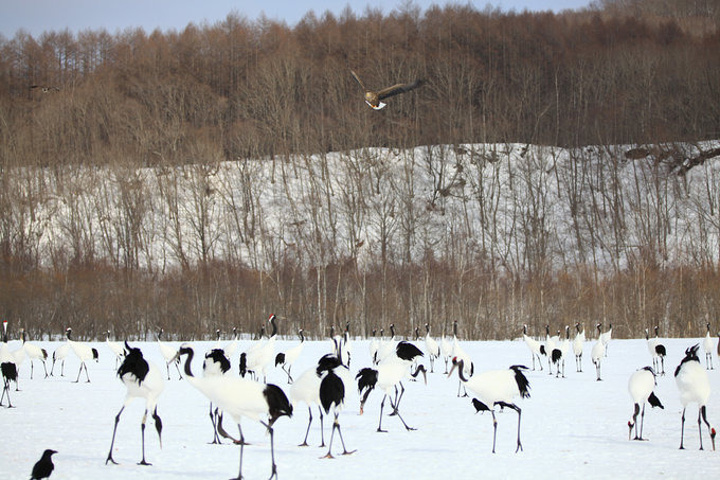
{"x":184,"y":101}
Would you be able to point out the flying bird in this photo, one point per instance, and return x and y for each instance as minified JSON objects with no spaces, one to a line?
{"x":43,"y":467}
{"x":374,"y":98}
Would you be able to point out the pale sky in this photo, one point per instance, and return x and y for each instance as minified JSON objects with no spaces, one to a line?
{"x":38,"y":16}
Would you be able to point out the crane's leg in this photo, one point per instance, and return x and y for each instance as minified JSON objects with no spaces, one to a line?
{"x":397,"y":412}
{"x":271,"y":431}
{"x":382,"y":404}
{"x":307,"y":432}
{"x":112,"y":443}
{"x":642,"y":422}
{"x":494,"y":429}
{"x":142,"y":433}
{"x":322,"y":427}
{"x":682,"y":430}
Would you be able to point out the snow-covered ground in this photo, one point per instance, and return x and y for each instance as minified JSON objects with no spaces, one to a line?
{"x":573,"y":427}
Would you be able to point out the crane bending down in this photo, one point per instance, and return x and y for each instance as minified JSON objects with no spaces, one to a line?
{"x":641,"y":385}
{"x":240,"y":397}
{"x":497,"y":387}
{"x":142,"y":380}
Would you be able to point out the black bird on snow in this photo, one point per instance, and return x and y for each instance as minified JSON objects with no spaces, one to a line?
{"x":373,"y":97}
{"x":44,"y":467}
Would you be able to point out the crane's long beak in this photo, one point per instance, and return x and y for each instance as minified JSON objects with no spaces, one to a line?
{"x":452,"y":370}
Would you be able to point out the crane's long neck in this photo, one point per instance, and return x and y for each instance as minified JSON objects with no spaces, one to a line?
{"x":190,"y":354}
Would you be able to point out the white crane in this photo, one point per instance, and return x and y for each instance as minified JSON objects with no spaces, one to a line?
{"x":59,"y":355}
{"x":497,"y":387}
{"x":596,"y":354}
{"x":388,"y":376}
{"x":432,"y":348}
{"x":694,"y":387}
{"x":708,"y":347}
{"x":446,"y":350}
{"x":216,"y":363}
{"x":534,"y":346}
{"x":560,"y":353}
{"x":332,"y":396}
{"x":8,"y":368}
{"x":84,"y":352}
{"x":641,"y":385}
{"x":286,"y":359}
{"x":657,"y":352}
{"x":116,"y":348}
{"x":578,"y":345}
{"x":306,"y":389}
{"x":260,"y":355}
{"x":168,"y":353}
{"x":374,"y":345}
{"x":606,"y":336}
{"x":33,"y":352}
{"x":240,"y":397}
{"x":143,"y":380}
{"x":460,"y":354}
{"x":386,"y":347}
{"x":550,"y":343}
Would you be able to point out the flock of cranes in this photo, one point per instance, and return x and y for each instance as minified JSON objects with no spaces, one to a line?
{"x":324,"y":386}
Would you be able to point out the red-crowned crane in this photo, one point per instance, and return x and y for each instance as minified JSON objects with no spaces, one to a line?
{"x":332,"y":396}
{"x":497,"y":387}
{"x":33,"y":352}
{"x":286,"y":359}
{"x":432,"y":347}
{"x":560,"y":353}
{"x":694,"y":387}
{"x":534,"y":346}
{"x":596,"y":355}
{"x":216,"y":363}
{"x":260,"y":355}
{"x":84,"y":352}
{"x":708,"y":347}
{"x":240,"y":397}
{"x":168,"y":353}
{"x":143,"y":380}
{"x":605,"y":336}
{"x":657,"y":352}
{"x":387,"y":376}
{"x":578,"y":345}
{"x":59,"y":355}
{"x":641,"y":386}
{"x":8,"y":368}
{"x":116,"y":348}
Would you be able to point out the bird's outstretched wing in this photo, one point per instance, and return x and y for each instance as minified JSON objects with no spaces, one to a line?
{"x":399,"y":88}
{"x":357,"y":79}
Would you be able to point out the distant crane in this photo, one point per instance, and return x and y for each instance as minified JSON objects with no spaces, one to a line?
{"x":708,"y":347}
{"x":534,"y":346}
{"x":84,"y":352}
{"x":578,"y":345}
{"x":8,"y":368}
{"x":33,"y":352}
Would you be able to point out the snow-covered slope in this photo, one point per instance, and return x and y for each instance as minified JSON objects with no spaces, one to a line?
{"x":573,"y":427}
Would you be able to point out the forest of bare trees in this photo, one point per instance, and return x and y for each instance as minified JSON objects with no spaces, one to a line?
{"x":140,"y":173}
